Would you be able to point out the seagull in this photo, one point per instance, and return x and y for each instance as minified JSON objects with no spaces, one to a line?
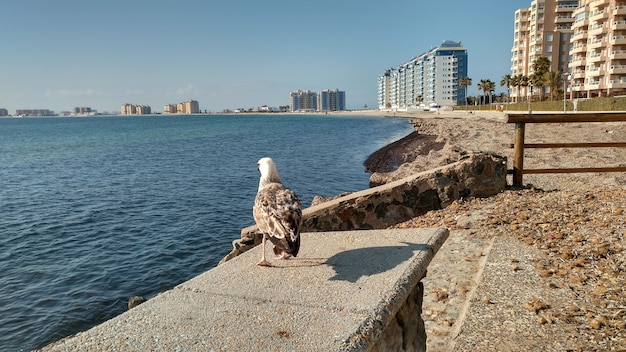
{"x":277,"y":212}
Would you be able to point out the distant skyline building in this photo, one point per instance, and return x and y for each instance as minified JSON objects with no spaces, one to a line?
{"x":303,"y":100}
{"x":187,"y":107}
{"x":430,"y":78}
{"x":4,"y":112}
{"x":192,"y":107}
{"x":130,"y":109}
{"x":82,"y":110}
{"x":331,"y":100}
{"x":34,"y":112}
{"x":325,"y":100}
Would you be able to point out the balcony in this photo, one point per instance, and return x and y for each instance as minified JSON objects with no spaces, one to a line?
{"x":620,"y":82}
{"x":618,"y":25}
{"x":593,"y":85}
{"x":619,"y":10}
{"x":576,"y":49}
{"x":618,"y":40}
{"x":598,"y":15}
{"x":596,"y":43}
{"x":579,"y":35}
{"x":593,"y":58}
{"x":565,"y":8}
{"x":582,"y":23}
{"x":576,"y":87}
{"x":578,"y":61}
{"x":596,"y":29}
{"x":617,"y":69}
{"x":593,"y":72}
{"x":563,"y":19}
{"x":618,"y":55}
{"x":523,"y":18}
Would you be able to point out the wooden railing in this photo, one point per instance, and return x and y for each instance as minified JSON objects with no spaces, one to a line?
{"x":520,"y":121}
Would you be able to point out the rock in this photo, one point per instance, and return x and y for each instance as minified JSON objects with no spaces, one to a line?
{"x":134,"y":301}
{"x":321,"y":199}
{"x":390,"y":157}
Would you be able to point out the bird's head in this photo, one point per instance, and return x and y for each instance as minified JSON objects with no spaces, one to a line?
{"x":269,"y":173}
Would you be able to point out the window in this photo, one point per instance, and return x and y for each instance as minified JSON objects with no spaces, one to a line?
{"x":549,"y":37}
{"x":548,"y":48}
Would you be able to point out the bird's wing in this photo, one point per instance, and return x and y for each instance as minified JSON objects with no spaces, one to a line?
{"x":278,"y":213}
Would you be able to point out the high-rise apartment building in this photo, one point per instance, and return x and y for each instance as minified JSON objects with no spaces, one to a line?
{"x":326,"y":100}
{"x":303,"y":100}
{"x":187,"y":107}
{"x":598,"y":54}
{"x":430,"y":78}
{"x":331,"y":100}
{"x":82,"y":110}
{"x":130,"y":109}
{"x":542,"y":30}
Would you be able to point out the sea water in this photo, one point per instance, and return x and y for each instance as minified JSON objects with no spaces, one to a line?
{"x":96,"y":210}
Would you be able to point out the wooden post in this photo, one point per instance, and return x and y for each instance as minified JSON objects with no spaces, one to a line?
{"x":518,"y":154}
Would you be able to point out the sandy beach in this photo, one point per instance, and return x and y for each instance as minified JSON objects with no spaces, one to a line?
{"x":463,"y":132}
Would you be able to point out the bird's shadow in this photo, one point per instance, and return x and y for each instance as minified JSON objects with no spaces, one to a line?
{"x":353,"y":264}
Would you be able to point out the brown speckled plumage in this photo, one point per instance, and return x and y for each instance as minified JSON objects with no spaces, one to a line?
{"x":277,"y":212}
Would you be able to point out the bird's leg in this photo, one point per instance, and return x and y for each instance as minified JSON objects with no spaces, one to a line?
{"x":283,"y":255}
{"x":264,"y":262}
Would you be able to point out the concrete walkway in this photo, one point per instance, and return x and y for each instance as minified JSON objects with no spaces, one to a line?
{"x":477,"y":293}
{"x":338,"y":294}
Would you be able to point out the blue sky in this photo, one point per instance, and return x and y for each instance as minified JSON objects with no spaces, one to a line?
{"x":231,"y":53}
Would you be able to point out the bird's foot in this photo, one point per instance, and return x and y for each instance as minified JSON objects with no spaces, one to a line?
{"x":264,"y":263}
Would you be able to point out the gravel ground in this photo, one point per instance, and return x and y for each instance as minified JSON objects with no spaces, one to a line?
{"x":582,"y":236}
{"x":575,"y":221}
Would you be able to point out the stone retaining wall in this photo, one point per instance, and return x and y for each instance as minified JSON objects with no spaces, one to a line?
{"x":476,"y":175}
{"x":406,"y":331}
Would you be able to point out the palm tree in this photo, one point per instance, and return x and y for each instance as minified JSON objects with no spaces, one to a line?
{"x":483,"y":85}
{"x":552,"y":80}
{"x":539,"y":81}
{"x":506,"y":81}
{"x":515,"y":81}
{"x":491,"y":88}
{"x":488,"y":87}
{"x":465,"y":82}
{"x":526,"y":82}
{"x":540,"y":66}
{"x":522,"y":81}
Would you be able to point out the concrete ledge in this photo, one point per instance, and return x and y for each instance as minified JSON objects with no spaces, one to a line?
{"x":343,"y":292}
{"x":477,"y":175}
